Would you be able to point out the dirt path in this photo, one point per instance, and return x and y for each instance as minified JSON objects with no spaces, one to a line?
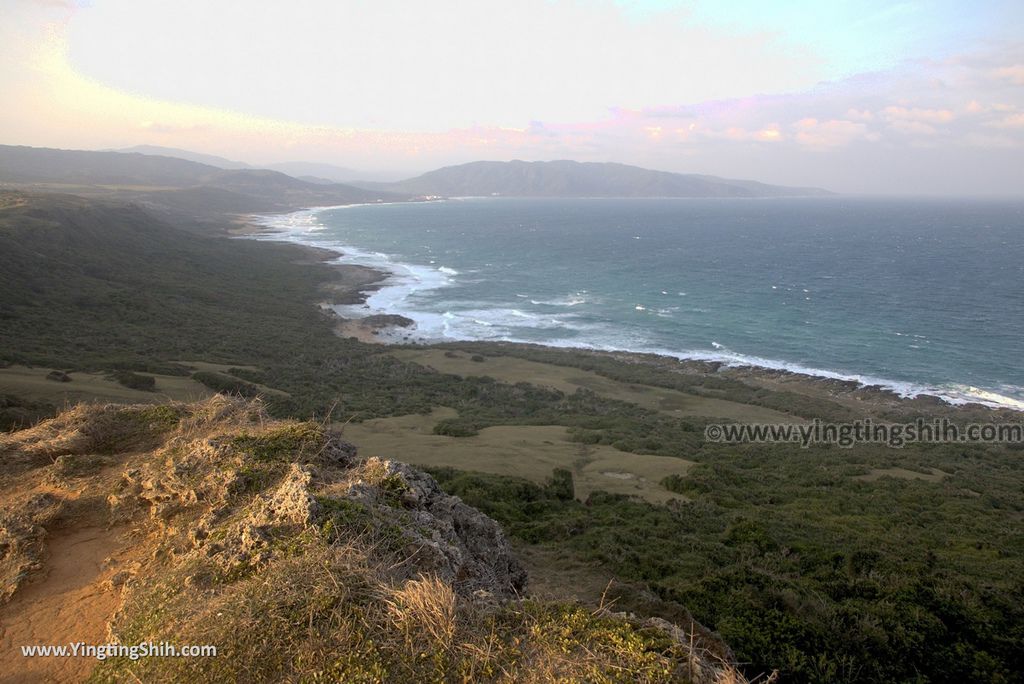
{"x":64,"y":604}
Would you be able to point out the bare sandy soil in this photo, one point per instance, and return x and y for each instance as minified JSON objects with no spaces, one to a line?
{"x":353,"y":328}
{"x":66,"y":603}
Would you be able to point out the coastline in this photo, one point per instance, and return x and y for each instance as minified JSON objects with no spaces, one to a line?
{"x":357,"y":283}
{"x":351,"y":285}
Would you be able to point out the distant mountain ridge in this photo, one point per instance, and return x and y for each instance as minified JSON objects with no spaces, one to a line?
{"x":173,"y":188}
{"x":322,"y":172}
{"x":563,"y":178}
{"x":205,"y":197}
{"x":566,"y":178}
{"x":327,"y":172}
{"x":188,"y":155}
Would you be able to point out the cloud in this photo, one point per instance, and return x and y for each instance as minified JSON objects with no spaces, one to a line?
{"x":831,"y":133}
{"x":394,"y":64}
{"x":1011,"y":121}
{"x":171,"y":128}
{"x":912,"y":127}
{"x":880,"y":129}
{"x":918,"y":115}
{"x":59,"y":4}
{"x":768,"y":133}
{"x":1014,"y":73}
{"x":985,"y":140}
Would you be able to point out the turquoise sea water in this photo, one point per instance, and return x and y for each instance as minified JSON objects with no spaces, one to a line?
{"x":919,"y":295}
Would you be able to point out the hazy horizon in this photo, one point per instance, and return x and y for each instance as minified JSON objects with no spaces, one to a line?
{"x":859,"y":98}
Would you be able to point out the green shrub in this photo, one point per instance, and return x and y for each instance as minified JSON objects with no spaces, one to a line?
{"x":561,"y":486}
{"x":455,"y":427}
{"x":17,"y":413}
{"x":226,"y":384}
{"x":131,"y":380}
{"x":292,"y":442}
{"x":784,"y":589}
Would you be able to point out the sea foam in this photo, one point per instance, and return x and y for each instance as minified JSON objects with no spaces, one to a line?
{"x":487,"y":322}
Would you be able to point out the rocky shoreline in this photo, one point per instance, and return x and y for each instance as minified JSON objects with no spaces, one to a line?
{"x":354,"y":283}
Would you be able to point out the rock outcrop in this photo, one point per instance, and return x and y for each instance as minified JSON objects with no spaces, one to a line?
{"x":244,"y":491}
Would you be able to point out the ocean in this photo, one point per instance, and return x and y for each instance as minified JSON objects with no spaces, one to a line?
{"x":917,"y":295}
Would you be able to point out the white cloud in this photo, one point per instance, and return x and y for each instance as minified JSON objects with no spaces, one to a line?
{"x":831,"y":133}
{"x":985,"y":140}
{"x":673,"y":107}
{"x":1014,"y":74}
{"x":918,"y":114}
{"x":913,"y":127}
{"x":860,"y":115}
{"x":768,"y":133}
{"x":419,"y":66}
{"x":1011,"y":121}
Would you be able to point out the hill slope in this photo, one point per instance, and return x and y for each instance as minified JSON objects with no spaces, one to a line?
{"x":179,"y":190}
{"x":324,"y":173}
{"x":578,"y":179}
{"x":99,"y":282}
{"x":298,"y":560}
{"x":178,"y":153}
{"x":330,"y":172}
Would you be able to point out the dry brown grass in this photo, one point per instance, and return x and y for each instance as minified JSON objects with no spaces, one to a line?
{"x":333,"y":613}
{"x":90,"y":428}
{"x":372,"y":471}
{"x":425,"y":609}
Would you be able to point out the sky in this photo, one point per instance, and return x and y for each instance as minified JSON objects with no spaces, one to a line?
{"x":914,"y":97}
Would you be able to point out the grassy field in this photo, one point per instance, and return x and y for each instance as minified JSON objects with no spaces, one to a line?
{"x":231,"y":371}
{"x":31,"y":383}
{"x":527,"y":451}
{"x":567,"y":379}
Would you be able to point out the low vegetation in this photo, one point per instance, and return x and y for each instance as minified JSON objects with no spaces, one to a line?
{"x":17,"y":412}
{"x":866,"y":564}
{"x":805,"y":569}
{"x":301,"y":561}
{"x":137,"y":381}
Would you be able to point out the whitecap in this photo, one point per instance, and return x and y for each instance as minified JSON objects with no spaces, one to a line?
{"x":563,"y":301}
{"x":406,"y":281}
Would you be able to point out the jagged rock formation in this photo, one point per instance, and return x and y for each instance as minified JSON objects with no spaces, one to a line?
{"x":210,"y":477}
